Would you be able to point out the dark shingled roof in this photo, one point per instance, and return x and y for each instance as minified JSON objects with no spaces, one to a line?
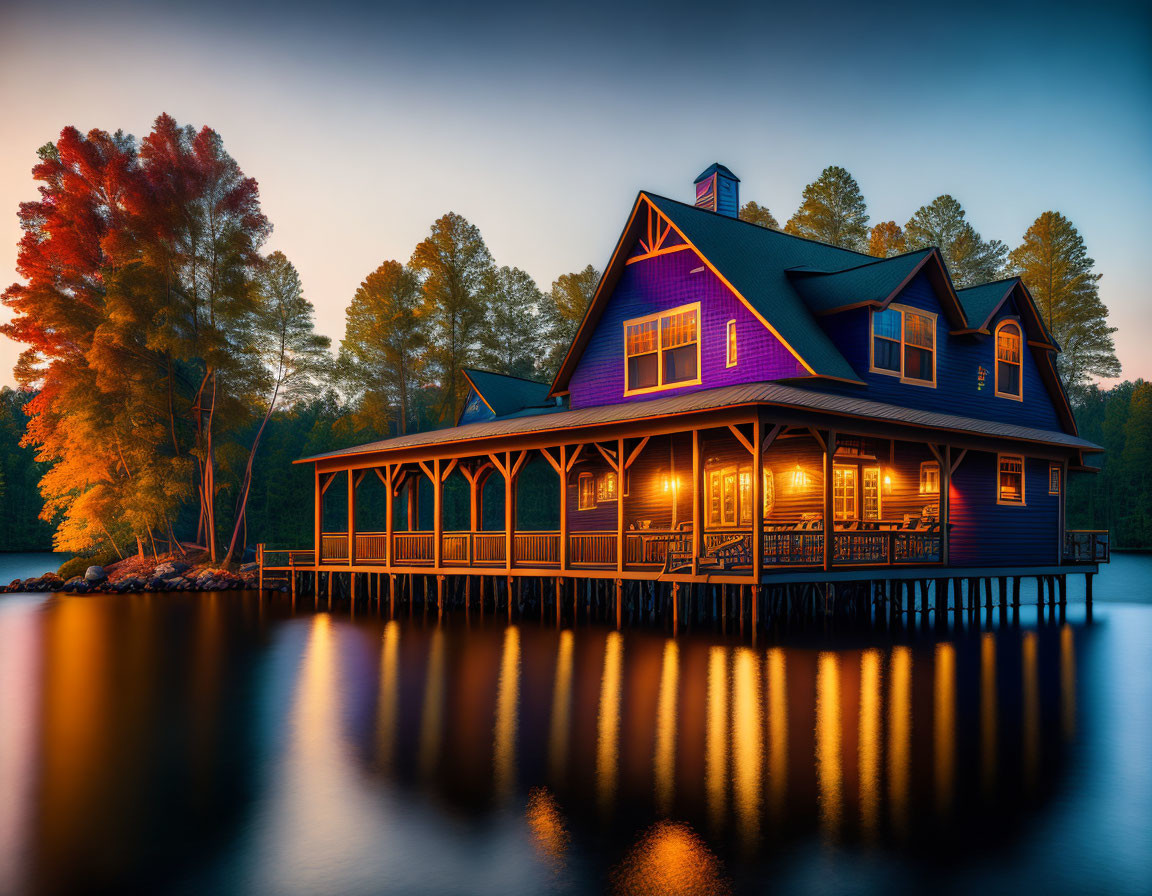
{"x":774,"y":394}
{"x":871,"y":283}
{"x":980,"y":302}
{"x":755,"y":261}
{"x":508,"y":394}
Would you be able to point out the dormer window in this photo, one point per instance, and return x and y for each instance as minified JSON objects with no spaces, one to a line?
{"x":904,"y":344}
{"x":662,"y":350}
{"x":1009,"y":369}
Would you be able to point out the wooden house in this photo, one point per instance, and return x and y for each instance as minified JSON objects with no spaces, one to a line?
{"x":745,"y":406}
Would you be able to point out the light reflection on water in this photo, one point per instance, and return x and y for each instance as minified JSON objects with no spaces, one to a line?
{"x":216,"y":744}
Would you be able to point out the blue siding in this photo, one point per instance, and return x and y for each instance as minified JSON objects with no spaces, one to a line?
{"x":958,"y":360}
{"x":986,"y":533}
{"x":475,"y":410}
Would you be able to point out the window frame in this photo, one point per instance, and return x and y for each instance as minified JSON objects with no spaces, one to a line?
{"x":1055,"y":474}
{"x":1023,"y":502}
{"x":658,"y":317}
{"x":731,"y":354}
{"x":716,"y":474}
{"x":925,"y":466}
{"x":580,"y":479}
{"x":1007,"y":322}
{"x":904,"y":310}
{"x":602,"y":492}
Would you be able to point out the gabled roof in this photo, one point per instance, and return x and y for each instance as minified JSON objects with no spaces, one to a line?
{"x":874,"y":283}
{"x":716,"y":166}
{"x":777,"y":395}
{"x":983,"y":301}
{"x":505,"y":394}
{"x":753,"y":262}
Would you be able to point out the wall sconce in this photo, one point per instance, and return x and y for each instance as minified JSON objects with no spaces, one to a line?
{"x":672,"y":484}
{"x":799,"y":478}
{"x":887,"y":483}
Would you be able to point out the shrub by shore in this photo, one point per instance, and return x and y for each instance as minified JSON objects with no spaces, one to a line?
{"x":168,"y":572}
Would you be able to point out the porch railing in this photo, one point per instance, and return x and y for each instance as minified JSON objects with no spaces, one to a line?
{"x":334,"y":546}
{"x":414,"y":547}
{"x":592,"y":549}
{"x":457,"y":548}
{"x":489,"y":548}
{"x":1087,"y":546}
{"x":536,"y":548}
{"x":371,"y":547}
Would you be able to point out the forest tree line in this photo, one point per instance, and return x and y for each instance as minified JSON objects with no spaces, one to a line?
{"x":172,"y":371}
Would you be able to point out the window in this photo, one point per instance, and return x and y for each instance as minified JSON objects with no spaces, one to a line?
{"x":1054,"y":474}
{"x":729,"y":498}
{"x":1010,"y":488}
{"x":731,"y":344}
{"x":662,"y":350}
{"x":929,"y":478}
{"x":606,"y":487}
{"x":586,"y":491}
{"x":843,"y":493}
{"x":1009,"y":371}
{"x":871,"y":487}
{"x":904,"y":344}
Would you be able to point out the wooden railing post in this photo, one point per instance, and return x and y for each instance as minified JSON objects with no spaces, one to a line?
{"x":563,"y":471}
{"x":620,"y":505}
{"x":829,"y":525}
{"x":318,"y":520}
{"x":697,"y":503}
{"x":351,"y":518}
{"x":437,"y":517}
{"x":757,"y":506}
{"x":509,"y":513}
{"x":389,"y":524}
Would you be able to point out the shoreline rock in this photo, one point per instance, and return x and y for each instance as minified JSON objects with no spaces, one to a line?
{"x":136,"y":575}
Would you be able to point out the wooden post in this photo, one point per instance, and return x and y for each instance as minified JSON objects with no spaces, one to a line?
{"x":413,"y":486}
{"x":440,"y":595}
{"x":620,"y":508}
{"x":260,"y":567}
{"x":829,"y":525}
{"x":697,"y":503}
{"x":318,"y":521}
{"x":389,"y":524}
{"x":945,"y":497}
{"x":437,"y":519}
{"x":1088,"y":596}
{"x":563,"y":471}
{"x":619,"y":587}
{"x":675,"y":607}
{"x":757,"y":510}
{"x":509,"y":520}
{"x":351,"y":518}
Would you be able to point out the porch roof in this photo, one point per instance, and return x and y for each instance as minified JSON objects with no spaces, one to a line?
{"x":749,"y":394}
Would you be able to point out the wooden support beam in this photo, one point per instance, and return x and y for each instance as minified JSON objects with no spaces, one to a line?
{"x":503,"y":470}
{"x":619,"y":467}
{"x":562,"y":470}
{"x":360,"y":477}
{"x":556,"y":465}
{"x":935,"y":449}
{"x":381,"y":477}
{"x":328,"y":479}
{"x":352,"y":481}
{"x":735,"y":430}
{"x":635,"y":453}
{"x":437,"y":521}
{"x":609,"y":456}
{"x":427,"y":471}
{"x":829,"y":523}
{"x":771,"y":436}
{"x":815,"y":433}
{"x":389,"y":517}
{"x":572,"y":460}
{"x":447,"y":471}
{"x":757,"y":512}
{"x":509,"y":517}
{"x":697,"y":503}
{"x":519,"y":463}
{"x":318,"y":521}
{"x":956,"y":463}
{"x":945,"y":499}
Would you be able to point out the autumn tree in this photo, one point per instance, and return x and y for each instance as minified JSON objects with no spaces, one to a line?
{"x":511,"y":341}
{"x":1054,"y":264}
{"x":832,"y":210}
{"x":382,"y":355}
{"x":971,"y":259}
{"x":759,"y":215}
{"x":566,"y":303}
{"x":452,"y":262}
{"x":886,"y":240}
{"x":292,"y":359}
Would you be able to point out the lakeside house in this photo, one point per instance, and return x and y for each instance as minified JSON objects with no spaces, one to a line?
{"x":742,"y":405}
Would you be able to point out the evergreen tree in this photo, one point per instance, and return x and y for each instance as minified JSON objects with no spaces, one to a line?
{"x":1054,"y":264}
{"x":886,"y":240}
{"x":382,"y":355}
{"x":566,"y":303}
{"x":758,"y":215}
{"x":832,"y":211}
{"x":453,"y":262}
{"x":511,"y":340}
{"x":971,"y":260}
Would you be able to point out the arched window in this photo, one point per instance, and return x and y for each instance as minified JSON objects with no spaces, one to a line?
{"x":1009,"y":367}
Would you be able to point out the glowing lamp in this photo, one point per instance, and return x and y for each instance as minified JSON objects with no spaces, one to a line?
{"x":799,"y":480}
{"x":887,"y":483}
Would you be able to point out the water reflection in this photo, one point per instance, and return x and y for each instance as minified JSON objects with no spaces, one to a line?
{"x":702,"y":755}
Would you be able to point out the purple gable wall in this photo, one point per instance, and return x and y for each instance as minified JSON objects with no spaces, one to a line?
{"x":664,"y":282}
{"x":957,"y":361}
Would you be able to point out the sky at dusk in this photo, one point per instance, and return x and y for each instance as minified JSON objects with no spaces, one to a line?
{"x":364,"y":123}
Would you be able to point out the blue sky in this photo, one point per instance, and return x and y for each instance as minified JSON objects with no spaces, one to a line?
{"x":363,"y":123}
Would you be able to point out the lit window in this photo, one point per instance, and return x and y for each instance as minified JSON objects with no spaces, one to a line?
{"x":843,"y":493}
{"x":663,"y":350}
{"x":769,"y":491}
{"x":929,"y":478}
{"x":731,"y":343}
{"x":586,"y":491}
{"x":904,"y":344}
{"x":1054,"y":474}
{"x":606,"y":487}
{"x":729,"y":494}
{"x":871,"y":489}
{"x":1008,"y":367}
{"x":1010,"y":488}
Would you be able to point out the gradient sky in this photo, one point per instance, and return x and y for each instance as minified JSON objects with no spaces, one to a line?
{"x":364,"y":122}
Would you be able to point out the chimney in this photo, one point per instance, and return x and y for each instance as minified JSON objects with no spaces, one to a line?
{"x":718,"y":190}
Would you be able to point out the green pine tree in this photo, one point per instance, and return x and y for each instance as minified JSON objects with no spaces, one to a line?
{"x":832,"y":211}
{"x":758,"y":215}
{"x":971,"y":259}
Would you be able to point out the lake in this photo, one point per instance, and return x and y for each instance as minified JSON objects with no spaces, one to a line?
{"x":224,"y":743}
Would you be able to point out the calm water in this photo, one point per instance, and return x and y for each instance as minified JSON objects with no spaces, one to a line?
{"x":220,"y":744}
